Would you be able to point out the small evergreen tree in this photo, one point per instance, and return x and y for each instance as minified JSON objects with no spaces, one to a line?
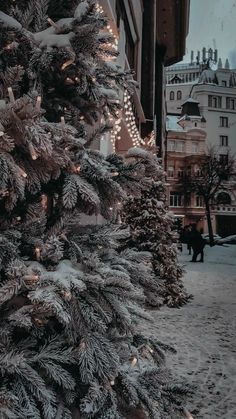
{"x":152,"y":227}
{"x":69,"y":298}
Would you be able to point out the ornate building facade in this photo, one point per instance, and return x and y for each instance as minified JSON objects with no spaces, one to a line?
{"x":215,"y":93}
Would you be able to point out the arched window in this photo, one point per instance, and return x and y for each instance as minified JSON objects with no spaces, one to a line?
{"x":223,"y":198}
{"x":179,"y":95}
{"x":172,"y":95}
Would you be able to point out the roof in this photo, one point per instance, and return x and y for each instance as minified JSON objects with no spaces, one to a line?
{"x":172,"y":123}
{"x":190,"y":100}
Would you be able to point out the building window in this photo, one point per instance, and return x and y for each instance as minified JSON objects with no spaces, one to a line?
{"x":176,"y":199}
{"x":194,"y":148}
{"x":224,"y":141}
{"x":224,"y":158}
{"x":172,"y":95}
{"x":130,"y":44}
{"x":230,"y":103}
{"x":199,"y":201}
{"x":224,"y":121}
{"x":170,"y":171}
{"x":223,"y":198}
{"x":224,"y":83}
{"x":171,"y":145}
{"x":214,"y":101}
{"x":179,"y":95}
{"x":180,"y":172}
{"x":197,"y":171}
{"x":180,"y":146}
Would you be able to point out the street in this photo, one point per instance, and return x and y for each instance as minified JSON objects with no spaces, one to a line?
{"x":204,"y":333}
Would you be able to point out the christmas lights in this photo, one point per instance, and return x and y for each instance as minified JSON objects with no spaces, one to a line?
{"x":130,"y":120}
{"x":38,"y":103}
{"x":11,"y":94}
{"x":32,"y":152}
{"x":37,"y":253}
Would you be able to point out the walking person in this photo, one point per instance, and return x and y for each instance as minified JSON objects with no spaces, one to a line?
{"x":197,"y":243}
{"x":185,"y":235}
{"x":187,"y":238}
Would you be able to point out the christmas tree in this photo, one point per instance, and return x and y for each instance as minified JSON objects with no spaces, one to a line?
{"x":70,"y":299}
{"x":151,"y":224}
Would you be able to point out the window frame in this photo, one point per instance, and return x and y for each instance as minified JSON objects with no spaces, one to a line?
{"x":176,"y":200}
{"x":199,"y":203}
{"x":230,"y":103}
{"x":179,"y":95}
{"x":194,"y":143}
{"x":224,"y":141}
{"x":178,"y":142}
{"x":224,"y":121}
{"x":171,"y":171}
{"x":172,"y":95}
{"x":170,"y":143}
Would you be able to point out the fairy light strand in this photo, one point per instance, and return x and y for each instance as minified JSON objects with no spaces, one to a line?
{"x":130,"y":120}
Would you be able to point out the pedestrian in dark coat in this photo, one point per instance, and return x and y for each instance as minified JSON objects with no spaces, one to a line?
{"x":197,"y":243}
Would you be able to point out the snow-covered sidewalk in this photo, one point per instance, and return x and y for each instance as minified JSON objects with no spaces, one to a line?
{"x":204,"y":333}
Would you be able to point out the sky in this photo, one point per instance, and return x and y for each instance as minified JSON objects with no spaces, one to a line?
{"x":213,"y":25}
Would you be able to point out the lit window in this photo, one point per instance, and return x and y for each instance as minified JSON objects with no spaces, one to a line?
{"x":172,"y":95}
{"x":170,"y":171}
{"x":180,"y":146}
{"x":224,"y":141}
{"x":199,"y":201}
{"x":171,"y":145}
{"x":224,"y":121}
{"x":194,"y":148}
{"x":176,"y":199}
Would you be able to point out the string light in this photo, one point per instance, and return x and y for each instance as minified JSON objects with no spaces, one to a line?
{"x":100,"y":10}
{"x":130,"y":120}
{"x":32,"y":152}
{"x":67,"y":295}
{"x":38,"y":103}
{"x":67,"y":63}
{"x":22,"y":172}
{"x":11,"y":94}
{"x":52,"y":23}
{"x":44,"y":201}
{"x":30,"y":279}
{"x":133,"y":361}
{"x":10,"y":46}
{"x":37,"y":253}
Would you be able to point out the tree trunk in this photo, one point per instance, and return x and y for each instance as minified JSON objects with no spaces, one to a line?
{"x":209,"y":223}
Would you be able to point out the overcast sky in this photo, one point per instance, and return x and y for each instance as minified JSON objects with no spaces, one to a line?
{"x":213,"y":24}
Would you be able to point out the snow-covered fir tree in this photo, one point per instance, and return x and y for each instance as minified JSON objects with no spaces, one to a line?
{"x":151,"y":224}
{"x":70,"y":299}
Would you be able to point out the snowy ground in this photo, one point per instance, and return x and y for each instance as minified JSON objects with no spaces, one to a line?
{"x":204,"y":333}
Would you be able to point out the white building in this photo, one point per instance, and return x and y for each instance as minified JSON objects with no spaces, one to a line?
{"x":215,"y":92}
